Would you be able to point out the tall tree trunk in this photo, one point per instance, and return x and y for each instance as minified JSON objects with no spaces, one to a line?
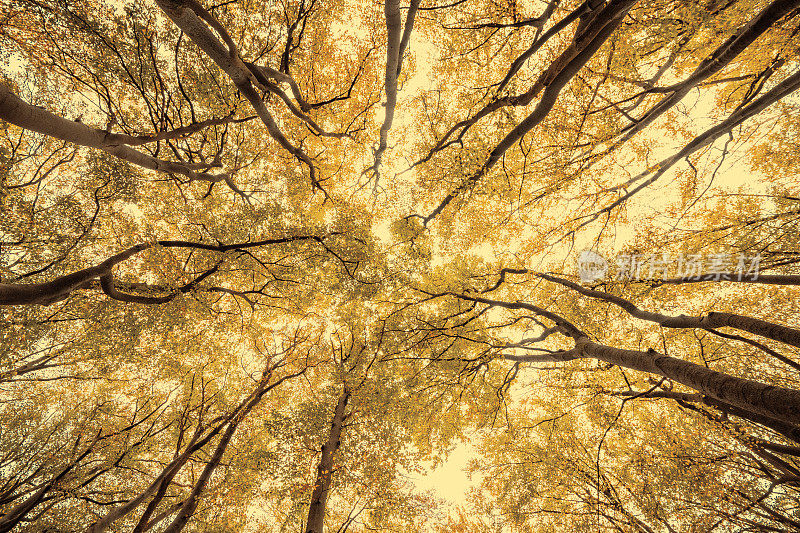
{"x":553,"y":80}
{"x":190,"y":504}
{"x":778,"y":403}
{"x":316,"y":511}
{"x":229,"y":423}
{"x":52,"y":291}
{"x":30,"y":117}
{"x":58,"y":289}
{"x":790,"y":431}
{"x":15,"y":516}
{"x":189,"y":16}
{"x":712,"y":320}
{"x":723,"y":55}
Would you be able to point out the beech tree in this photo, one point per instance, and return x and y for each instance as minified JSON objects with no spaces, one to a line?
{"x":263,"y":265}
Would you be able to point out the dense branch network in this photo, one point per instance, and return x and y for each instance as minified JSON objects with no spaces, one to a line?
{"x":47,"y":293}
{"x":597,"y":22}
{"x":147,"y":418}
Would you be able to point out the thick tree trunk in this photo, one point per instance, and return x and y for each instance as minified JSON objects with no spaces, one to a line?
{"x":168,"y":473}
{"x":394,"y":29}
{"x":58,"y":289}
{"x":779,"y":448}
{"x":580,"y":11}
{"x":17,"y":514}
{"x":319,"y":497}
{"x":777,"y":403}
{"x":33,"y":118}
{"x":407,"y":28}
{"x":784,"y":88}
{"x":185,"y":15}
{"x":790,"y":431}
{"x":763,"y":279}
{"x":189,"y":505}
{"x":774,"y":402}
{"x":755,"y":326}
{"x":557,"y":76}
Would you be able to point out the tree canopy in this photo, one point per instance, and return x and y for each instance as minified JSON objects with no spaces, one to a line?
{"x":262,"y":264}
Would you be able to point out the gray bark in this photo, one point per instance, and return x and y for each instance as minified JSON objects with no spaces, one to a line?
{"x":52,"y":291}
{"x":182,"y":13}
{"x":33,"y":118}
{"x":553,"y":80}
{"x":771,"y":401}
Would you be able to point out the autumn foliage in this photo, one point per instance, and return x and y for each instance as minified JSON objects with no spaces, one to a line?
{"x":264,"y":265}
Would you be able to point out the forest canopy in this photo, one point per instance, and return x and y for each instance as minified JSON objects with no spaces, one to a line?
{"x":265,"y":264}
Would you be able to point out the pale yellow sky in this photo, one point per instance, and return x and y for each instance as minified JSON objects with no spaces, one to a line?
{"x":450,"y":480}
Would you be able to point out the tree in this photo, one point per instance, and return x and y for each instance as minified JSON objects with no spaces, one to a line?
{"x":260,"y":263}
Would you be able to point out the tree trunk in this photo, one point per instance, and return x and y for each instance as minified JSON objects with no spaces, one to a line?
{"x":183,"y":14}
{"x":316,"y":511}
{"x":553,"y":81}
{"x":30,"y":117}
{"x":713,"y":320}
{"x":723,"y":55}
{"x":774,"y":402}
{"x":58,"y":289}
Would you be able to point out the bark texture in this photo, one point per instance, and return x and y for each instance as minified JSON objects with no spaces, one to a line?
{"x":319,"y":497}
{"x":774,"y":402}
